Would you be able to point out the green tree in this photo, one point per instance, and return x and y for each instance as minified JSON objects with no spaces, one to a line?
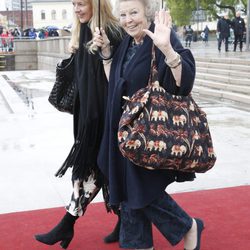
{"x":181,"y":10}
{"x":214,"y":6}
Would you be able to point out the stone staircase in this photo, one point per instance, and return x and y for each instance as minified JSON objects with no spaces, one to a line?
{"x":223,"y":79}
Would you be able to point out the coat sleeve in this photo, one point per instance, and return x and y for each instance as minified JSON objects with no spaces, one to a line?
{"x":166,"y":77}
{"x":219,"y":26}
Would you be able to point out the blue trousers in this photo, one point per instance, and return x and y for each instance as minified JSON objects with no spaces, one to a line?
{"x":169,"y":218}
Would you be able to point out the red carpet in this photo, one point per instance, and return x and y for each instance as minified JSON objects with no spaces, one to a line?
{"x":224,"y":211}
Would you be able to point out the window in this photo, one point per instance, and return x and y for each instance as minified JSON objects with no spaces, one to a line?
{"x":43,"y":16}
{"x":64,"y":14}
{"x":53,"y":15}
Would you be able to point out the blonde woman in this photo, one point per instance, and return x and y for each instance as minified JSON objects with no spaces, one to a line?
{"x":89,"y":110}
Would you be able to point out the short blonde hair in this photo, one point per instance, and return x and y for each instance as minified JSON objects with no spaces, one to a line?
{"x":108,"y":22}
{"x":151,"y":6}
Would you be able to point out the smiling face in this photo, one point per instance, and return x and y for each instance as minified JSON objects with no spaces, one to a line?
{"x":83,"y":10}
{"x":133,"y":19}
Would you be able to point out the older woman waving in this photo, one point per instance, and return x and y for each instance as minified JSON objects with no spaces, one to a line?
{"x":140,"y":193}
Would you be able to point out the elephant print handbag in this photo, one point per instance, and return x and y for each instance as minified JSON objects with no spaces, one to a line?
{"x":158,"y":130}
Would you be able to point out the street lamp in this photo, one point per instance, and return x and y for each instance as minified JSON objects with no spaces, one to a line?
{"x":198,"y":15}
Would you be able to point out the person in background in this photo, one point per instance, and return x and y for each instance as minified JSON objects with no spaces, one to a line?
{"x":89,"y":109}
{"x":32,"y":34}
{"x":41,"y":34}
{"x":10,"y":42}
{"x":223,"y":29}
{"x":4,"y":40}
{"x":138,"y":192}
{"x":46,"y":34}
{"x":206,"y":34}
{"x":239,"y":28}
{"x":16,"y":33}
{"x":189,"y":35}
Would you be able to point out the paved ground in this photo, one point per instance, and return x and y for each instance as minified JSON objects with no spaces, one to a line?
{"x":35,"y":139}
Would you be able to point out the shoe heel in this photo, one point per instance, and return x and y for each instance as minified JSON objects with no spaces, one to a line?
{"x":65,"y":243}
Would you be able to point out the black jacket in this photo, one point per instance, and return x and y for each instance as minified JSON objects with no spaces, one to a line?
{"x":223,"y":26}
{"x":239,"y":26}
{"x":127,"y":182}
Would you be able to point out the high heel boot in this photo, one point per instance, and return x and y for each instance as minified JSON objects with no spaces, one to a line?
{"x":63,"y":231}
{"x":114,"y":236}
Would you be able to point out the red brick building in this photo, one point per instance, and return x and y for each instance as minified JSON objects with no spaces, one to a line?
{"x":17,"y":19}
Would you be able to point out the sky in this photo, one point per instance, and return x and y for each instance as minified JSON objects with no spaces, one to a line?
{"x":2,"y":5}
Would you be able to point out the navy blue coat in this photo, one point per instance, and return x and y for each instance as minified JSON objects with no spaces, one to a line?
{"x":128,"y":182}
{"x":223,"y":26}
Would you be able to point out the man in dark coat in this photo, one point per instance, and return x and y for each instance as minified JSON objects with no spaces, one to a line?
{"x":239,"y":29}
{"x":223,"y":28}
{"x":189,"y":35}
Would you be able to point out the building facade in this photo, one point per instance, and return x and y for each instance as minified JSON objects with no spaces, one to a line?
{"x":14,"y":18}
{"x":16,"y":4}
{"x":51,"y":13}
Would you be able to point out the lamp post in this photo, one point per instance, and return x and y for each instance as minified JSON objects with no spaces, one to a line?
{"x":248,"y":26}
{"x":21,"y":16}
{"x":8,"y":22}
{"x":197,"y":20}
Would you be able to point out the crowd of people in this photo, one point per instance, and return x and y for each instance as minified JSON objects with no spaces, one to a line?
{"x":227,"y":31}
{"x":224,"y":26}
{"x":7,"y":36}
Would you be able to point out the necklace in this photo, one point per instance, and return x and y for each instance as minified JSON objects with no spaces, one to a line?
{"x":137,"y":44}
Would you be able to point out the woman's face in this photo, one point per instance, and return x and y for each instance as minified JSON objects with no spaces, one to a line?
{"x":133,"y":19}
{"x":83,"y":10}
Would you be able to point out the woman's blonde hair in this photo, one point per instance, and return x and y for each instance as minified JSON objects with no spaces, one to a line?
{"x":108,"y":22}
{"x":151,"y":6}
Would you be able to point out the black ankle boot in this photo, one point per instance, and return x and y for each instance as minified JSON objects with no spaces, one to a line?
{"x":114,"y":236}
{"x":63,"y":231}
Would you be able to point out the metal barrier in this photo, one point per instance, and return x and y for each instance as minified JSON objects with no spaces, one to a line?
{"x":7,"y":62}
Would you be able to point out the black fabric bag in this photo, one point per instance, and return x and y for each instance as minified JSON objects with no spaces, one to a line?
{"x":158,"y":130}
{"x":63,"y":91}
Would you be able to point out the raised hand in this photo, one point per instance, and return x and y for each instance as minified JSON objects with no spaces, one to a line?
{"x":161,"y":34}
{"x":101,"y":40}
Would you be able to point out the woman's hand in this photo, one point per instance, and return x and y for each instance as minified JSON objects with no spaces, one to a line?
{"x":161,"y":35}
{"x":100,"y":39}
{"x":161,"y":39}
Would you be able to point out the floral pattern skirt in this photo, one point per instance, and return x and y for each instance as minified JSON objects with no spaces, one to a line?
{"x":84,"y":191}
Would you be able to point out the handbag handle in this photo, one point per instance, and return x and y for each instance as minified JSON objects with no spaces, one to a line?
{"x":153,"y":69}
{"x":65,"y":63}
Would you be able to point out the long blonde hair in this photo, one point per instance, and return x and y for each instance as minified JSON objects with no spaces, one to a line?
{"x":108,"y":22}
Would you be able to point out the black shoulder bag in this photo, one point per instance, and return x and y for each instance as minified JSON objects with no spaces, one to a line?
{"x":63,"y":91}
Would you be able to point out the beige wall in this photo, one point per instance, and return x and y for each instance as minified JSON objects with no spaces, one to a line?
{"x":40,"y":54}
{"x":48,"y":7}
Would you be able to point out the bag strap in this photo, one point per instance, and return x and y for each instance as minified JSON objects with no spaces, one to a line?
{"x":153,"y":69}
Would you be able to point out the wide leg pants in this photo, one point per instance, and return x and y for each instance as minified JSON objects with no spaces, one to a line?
{"x":169,"y":218}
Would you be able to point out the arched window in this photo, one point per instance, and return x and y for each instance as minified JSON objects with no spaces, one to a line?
{"x":64,"y":14}
{"x":43,"y":16}
{"x":53,"y":15}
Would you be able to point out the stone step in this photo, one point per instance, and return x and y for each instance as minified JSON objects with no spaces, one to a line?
{"x":224,"y":60}
{"x":224,"y":72}
{"x":223,"y":66}
{"x":223,"y":86}
{"x":243,"y":99}
{"x":223,"y":79}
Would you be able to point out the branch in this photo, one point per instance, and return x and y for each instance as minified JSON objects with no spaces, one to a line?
{"x":227,"y":7}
